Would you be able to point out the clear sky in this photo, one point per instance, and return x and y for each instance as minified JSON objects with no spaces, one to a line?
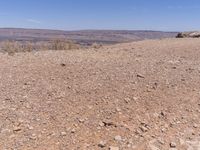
{"x":168,"y":15}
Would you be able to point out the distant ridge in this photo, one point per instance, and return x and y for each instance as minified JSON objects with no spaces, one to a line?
{"x":82,"y":36}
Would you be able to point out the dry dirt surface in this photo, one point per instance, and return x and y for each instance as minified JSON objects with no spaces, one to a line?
{"x":136,"y":96}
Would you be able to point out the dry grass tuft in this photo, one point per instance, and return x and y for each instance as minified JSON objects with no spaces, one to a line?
{"x":12,"y":47}
{"x":96,"y":45}
{"x":63,"y":44}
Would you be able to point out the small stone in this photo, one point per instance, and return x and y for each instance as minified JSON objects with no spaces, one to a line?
{"x":86,"y":145}
{"x":33,"y":137}
{"x":63,"y":65}
{"x":20,"y":121}
{"x":182,"y":141}
{"x":161,"y":141}
{"x":139,"y":132}
{"x":140,"y":76}
{"x":129,"y":145}
{"x":81,"y":120}
{"x":12,"y":136}
{"x":17,"y":129}
{"x":163,"y":113}
{"x":101,"y":124}
{"x":118,"y":138}
{"x":113,"y":148}
{"x":98,"y":128}
{"x":63,"y":133}
{"x":195,"y":126}
{"x":30,"y":127}
{"x":73,"y":131}
{"x":102,"y":144}
{"x":109,"y":123}
{"x":118,"y":109}
{"x":144,"y":129}
{"x":135,"y":98}
{"x":172,"y":144}
{"x":127,"y":100}
{"x":163,"y":130}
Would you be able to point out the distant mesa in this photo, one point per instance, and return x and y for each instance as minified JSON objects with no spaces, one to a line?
{"x":82,"y":37}
{"x":195,"y":34}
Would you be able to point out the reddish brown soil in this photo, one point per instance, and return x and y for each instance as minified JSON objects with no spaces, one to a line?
{"x":137,"y":96}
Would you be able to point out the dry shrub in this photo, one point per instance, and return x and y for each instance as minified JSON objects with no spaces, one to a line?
{"x":27,"y":47}
{"x":12,"y":47}
{"x":62,"y":44}
{"x":96,"y":45}
{"x":43,"y":46}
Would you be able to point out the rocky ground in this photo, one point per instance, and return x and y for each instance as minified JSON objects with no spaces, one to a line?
{"x":136,"y":96}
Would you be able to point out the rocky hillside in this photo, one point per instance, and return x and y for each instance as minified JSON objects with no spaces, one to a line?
{"x":136,"y":96}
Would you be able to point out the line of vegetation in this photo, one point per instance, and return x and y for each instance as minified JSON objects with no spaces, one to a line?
{"x":12,"y":47}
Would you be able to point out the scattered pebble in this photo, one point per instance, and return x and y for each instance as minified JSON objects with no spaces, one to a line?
{"x":81,"y":120}
{"x":172,"y":144}
{"x":195,"y":125}
{"x":63,"y":133}
{"x":33,"y":137}
{"x":163,"y":113}
{"x":144,"y":129}
{"x":118,"y":138}
{"x":161,"y":141}
{"x":102,"y":144}
{"x":127,"y":100}
{"x":73,"y":131}
{"x":140,"y":76}
{"x":113,"y":148}
{"x":17,"y":129}
{"x":63,"y":65}
{"x":101,"y":124}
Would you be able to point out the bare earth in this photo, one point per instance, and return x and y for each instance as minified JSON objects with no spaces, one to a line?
{"x":137,"y":96}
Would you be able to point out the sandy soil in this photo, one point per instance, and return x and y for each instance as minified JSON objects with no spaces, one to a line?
{"x":136,"y":96}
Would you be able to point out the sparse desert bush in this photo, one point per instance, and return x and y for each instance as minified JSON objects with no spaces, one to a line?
{"x":62,"y":44}
{"x":96,"y":45}
{"x":12,"y":47}
{"x":43,"y":46}
{"x":27,"y":46}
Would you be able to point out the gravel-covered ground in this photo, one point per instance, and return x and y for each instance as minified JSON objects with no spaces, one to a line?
{"x":136,"y":96}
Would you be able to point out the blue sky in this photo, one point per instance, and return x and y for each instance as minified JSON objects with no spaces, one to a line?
{"x":167,"y":15}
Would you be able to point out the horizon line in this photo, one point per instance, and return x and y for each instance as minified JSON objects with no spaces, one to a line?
{"x":92,"y":29}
